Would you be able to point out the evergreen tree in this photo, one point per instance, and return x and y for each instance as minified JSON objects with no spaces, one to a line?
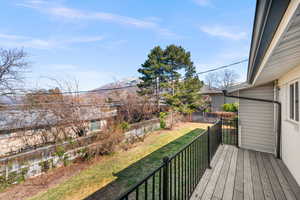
{"x":153,"y":74}
{"x":161,"y":77}
{"x":186,"y":98}
{"x":176,"y":58}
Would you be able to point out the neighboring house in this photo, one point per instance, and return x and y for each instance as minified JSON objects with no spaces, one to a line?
{"x":23,"y":129}
{"x":216,"y":98}
{"x":273,"y":74}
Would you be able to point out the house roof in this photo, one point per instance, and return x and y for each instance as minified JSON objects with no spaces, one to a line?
{"x":209,"y":90}
{"x":268,"y":15}
{"x":239,"y":86}
{"x":38,"y":118}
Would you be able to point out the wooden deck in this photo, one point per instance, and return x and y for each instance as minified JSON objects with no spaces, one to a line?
{"x":239,"y":174}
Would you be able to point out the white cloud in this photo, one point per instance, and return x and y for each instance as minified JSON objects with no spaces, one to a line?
{"x":61,"y":11}
{"x":68,"y":72}
{"x":203,"y":2}
{"x":10,"y":40}
{"x":224,"y":32}
{"x":12,"y":37}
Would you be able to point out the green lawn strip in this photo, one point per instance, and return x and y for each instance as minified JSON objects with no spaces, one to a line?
{"x":185,"y":170}
{"x":124,"y":169}
{"x":152,"y":161}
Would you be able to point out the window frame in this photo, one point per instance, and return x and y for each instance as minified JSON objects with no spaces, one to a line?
{"x":293,"y":101}
{"x":98,"y":123}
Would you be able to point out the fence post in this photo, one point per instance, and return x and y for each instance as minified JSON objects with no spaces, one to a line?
{"x":166,"y":178}
{"x":208,"y":147}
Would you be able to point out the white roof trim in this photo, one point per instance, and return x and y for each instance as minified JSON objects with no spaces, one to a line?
{"x":283,"y":26}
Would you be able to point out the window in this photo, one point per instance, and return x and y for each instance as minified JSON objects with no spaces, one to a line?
{"x":95,"y":125}
{"x":294,"y":101}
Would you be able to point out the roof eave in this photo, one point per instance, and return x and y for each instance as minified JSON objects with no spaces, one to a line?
{"x":268,"y":15}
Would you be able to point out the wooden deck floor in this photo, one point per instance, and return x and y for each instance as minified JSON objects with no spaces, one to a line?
{"x":247,"y":175}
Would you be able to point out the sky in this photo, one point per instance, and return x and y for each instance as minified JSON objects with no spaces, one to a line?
{"x":96,"y":42}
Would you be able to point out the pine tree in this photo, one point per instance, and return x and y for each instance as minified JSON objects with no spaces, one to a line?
{"x":161,"y":77}
{"x":153,"y":74}
{"x":186,"y":98}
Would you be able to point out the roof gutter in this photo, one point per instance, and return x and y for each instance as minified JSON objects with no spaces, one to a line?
{"x":278,"y":150}
{"x":268,"y":16}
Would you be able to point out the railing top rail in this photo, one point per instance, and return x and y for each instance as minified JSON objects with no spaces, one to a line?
{"x":128,"y":192}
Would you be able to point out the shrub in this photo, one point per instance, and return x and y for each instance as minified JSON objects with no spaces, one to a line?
{"x":162,"y":119}
{"x":230,"y":107}
{"x":60,"y":151}
{"x":45,"y":165}
{"x":125,"y":126}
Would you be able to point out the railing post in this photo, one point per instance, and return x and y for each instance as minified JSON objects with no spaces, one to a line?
{"x":221,"y":129}
{"x":208,"y":147}
{"x":166,"y":178}
{"x":237,"y":131}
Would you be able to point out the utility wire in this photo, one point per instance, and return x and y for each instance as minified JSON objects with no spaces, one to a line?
{"x":222,"y":67}
{"x":121,"y":88}
{"x":73,"y":92}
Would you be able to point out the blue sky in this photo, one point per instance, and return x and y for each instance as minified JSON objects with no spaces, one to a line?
{"x":97,"y":41}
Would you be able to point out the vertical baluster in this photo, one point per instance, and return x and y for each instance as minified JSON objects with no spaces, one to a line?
{"x":189,"y":169}
{"x":170,"y":182}
{"x":208,"y":147}
{"x":178,"y":177}
{"x":195,"y":162}
{"x":153,"y":187}
{"x":231,"y":132}
{"x":159,"y":183}
{"x":185,"y":173}
{"x":175,"y":176}
{"x":182,"y":176}
{"x":237,"y":131}
{"x":137,"y":193}
{"x":166,"y":179}
{"x":146,"y":190}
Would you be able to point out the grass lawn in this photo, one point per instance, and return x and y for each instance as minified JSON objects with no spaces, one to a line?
{"x":114,"y":174}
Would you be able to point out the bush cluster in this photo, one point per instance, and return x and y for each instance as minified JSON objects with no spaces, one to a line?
{"x":230,"y":107}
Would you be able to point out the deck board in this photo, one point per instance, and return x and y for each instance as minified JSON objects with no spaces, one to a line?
{"x":229,"y":186}
{"x":257,"y":186}
{"x":207,"y":195}
{"x":289,"y":194}
{"x":277,"y":189}
{"x":248,"y":187}
{"x":289,"y":177}
{"x":238,"y":192}
{"x":239,"y":174}
{"x":200,"y":188}
{"x":218,"y":193}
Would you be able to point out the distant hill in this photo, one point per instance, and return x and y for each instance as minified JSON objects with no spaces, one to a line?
{"x":122,"y":87}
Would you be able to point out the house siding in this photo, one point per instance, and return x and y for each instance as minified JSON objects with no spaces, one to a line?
{"x":217,"y":101}
{"x":256,"y":119}
{"x":290,"y":129}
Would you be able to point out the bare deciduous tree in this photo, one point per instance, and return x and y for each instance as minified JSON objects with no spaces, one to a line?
{"x":211,"y":79}
{"x":228,"y":78}
{"x":223,"y":79}
{"x":12,"y":65}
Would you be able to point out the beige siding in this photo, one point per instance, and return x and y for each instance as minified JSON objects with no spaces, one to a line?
{"x":217,"y":102}
{"x":257,"y":119}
